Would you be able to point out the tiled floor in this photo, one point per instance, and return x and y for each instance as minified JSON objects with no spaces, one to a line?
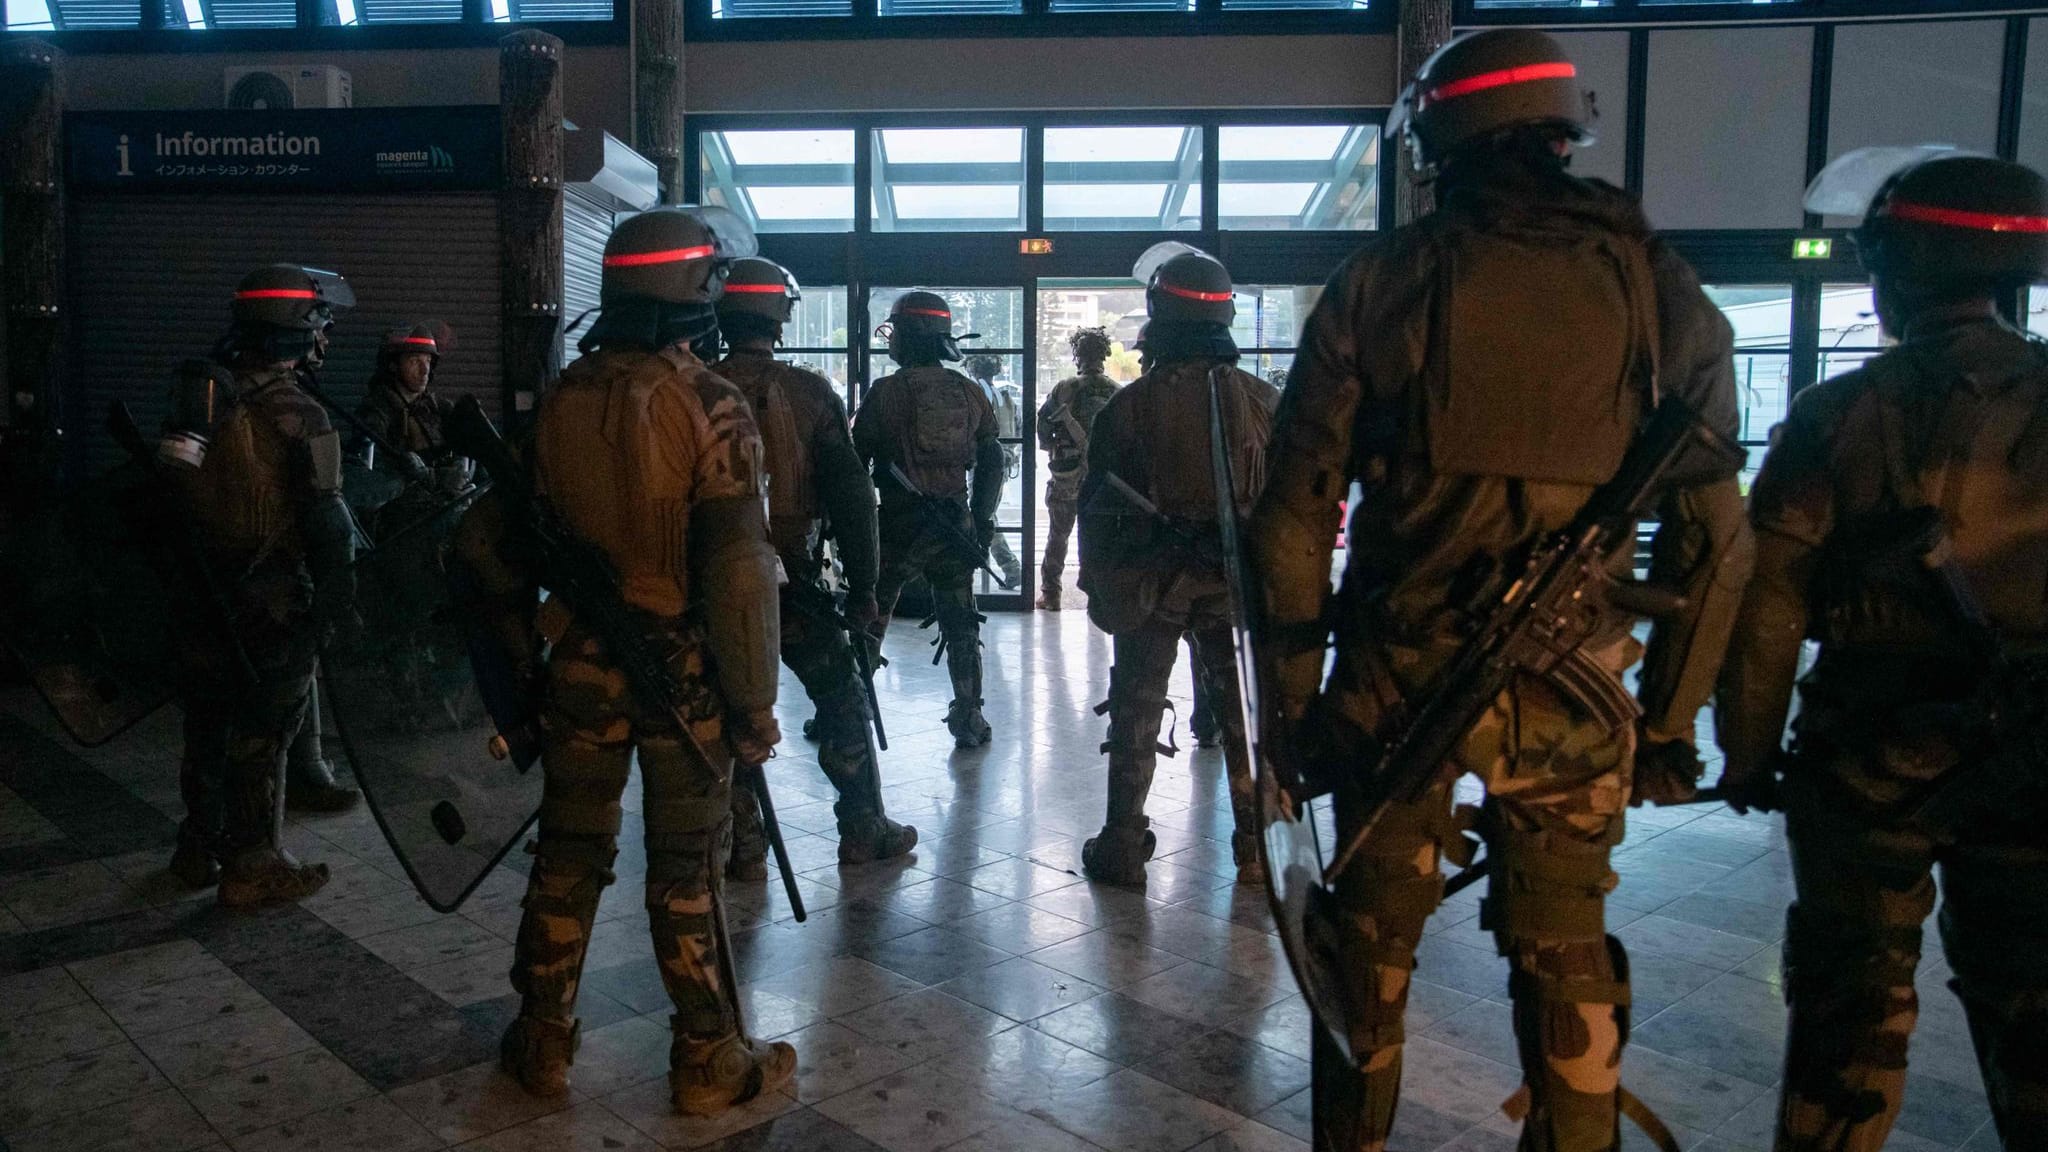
{"x":980,"y":995}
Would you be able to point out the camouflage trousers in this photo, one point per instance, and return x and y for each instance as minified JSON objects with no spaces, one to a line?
{"x":591,"y":730}
{"x":1865,"y":885}
{"x":1556,"y":792}
{"x":237,"y":734}
{"x":911,"y":549}
{"x":1060,"y":513}
{"x":1144,"y":659}
{"x":821,"y":655}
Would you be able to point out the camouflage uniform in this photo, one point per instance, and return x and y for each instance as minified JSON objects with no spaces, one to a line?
{"x":626,"y":447}
{"x":936,"y":425}
{"x":1148,"y":587}
{"x":266,"y":506}
{"x":1064,"y":419}
{"x":1951,"y":418}
{"x":1449,"y":490}
{"x":813,"y":472}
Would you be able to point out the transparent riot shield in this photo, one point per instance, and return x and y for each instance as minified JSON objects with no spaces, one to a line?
{"x":408,"y":709}
{"x":1293,"y":832}
{"x":86,"y":609}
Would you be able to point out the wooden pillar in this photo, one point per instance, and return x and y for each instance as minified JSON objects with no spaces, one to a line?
{"x":32,"y":275}
{"x":658,"y":90}
{"x":530,"y":215}
{"x":1425,"y":27}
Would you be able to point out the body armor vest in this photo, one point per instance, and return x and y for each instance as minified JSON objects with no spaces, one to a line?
{"x":774,"y":390}
{"x":934,"y":420}
{"x":241,"y":495}
{"x":1168,"y":408}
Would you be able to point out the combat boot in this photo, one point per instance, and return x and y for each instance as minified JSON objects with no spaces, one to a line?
{"x":193,"y":864}
{"x":537,"y":1052}
{"x":868,"y":837}
{"x":1049,"y":599}
{"x":310,"y":787}
{"x":1251,"y":866}
{"x":1118,"y":854}
{"x":708,"y":1076}
{"x":965,"y":722}
{"x":267,"y":875}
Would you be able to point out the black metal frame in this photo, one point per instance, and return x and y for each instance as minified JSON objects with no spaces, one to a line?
{"x":1637,"y":14}
{"x":1038,"y":20}
{"x":474,"y":30}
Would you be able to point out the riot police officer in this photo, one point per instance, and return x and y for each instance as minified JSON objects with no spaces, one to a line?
{"x":1479,"y":372}
{"x":1154,"y":574}
{"x":1901,"y":522}
{"x":401,"y":408}
{"x":931,"y":426}
{"x":265,"y":503}
{"x":1063,"y":422}
{"x":814,"y":479}
{"x":647,"y":455}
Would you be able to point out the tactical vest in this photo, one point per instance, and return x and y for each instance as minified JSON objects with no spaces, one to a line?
{"x":785,"y":444}
{"x":1542,"y":351}
{"x":616,"y":453}
{"x":1063,"y":433}
{"x":240,"y":498}
{"x":933,"y":423}
{"x":1169,"y":409}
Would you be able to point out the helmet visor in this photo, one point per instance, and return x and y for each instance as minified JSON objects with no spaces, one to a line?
{"x":1155,"y":258}
{"x":333,"y":289}
{"x":734,"y":238}
{"x":1852,"y":180}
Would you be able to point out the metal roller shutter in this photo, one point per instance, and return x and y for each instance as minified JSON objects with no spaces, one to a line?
{"x":586,"y":224}
{"x":152,"y":276}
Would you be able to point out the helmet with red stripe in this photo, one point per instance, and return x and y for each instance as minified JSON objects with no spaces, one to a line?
{"x":427,"y":338}
{"x":1185,"y":284}
{"x":1957,"y":218}
{"x":673,"y":255}
{"x":1480,"y":85}
{"x":757,"y":286}
{"x":919,"y":323}
{"x":290,"y":297}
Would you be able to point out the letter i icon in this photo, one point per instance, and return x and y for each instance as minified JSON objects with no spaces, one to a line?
{"x":122,"y":148}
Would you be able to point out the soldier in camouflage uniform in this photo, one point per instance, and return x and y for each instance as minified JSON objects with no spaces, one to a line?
{"x":649,"y":456}
{"x":1063,"y":422}
{"x":936,"y":426}
{"x":1479,"y":373}
{"x":983,"y":368}
{"x":1152,"y":579}
{"x":813,"y":475}
{"x":1924,"y":466}
{"x":402,"y":409}
{"x":265,"y":501}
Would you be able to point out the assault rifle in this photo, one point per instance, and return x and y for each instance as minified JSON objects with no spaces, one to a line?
{"x":933,"y":511}
{"x":1535,"y":623}
{"x":581,"y":574}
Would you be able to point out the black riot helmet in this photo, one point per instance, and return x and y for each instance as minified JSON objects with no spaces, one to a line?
{"x":281,"y":313}
{"x":663,"y":272}
{"x":1485,"y":83}
{"x":920,"y":329}
{"x":1940,"y":217}
{"x":1185,"y":284}
{"x":428,"y":337}
{"x":760,"y":296}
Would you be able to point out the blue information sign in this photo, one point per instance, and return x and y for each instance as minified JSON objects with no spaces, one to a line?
{"x":451,"y":148}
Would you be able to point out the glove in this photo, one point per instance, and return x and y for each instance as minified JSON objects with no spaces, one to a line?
{"x":754,"y":737}
{"x":1667,"y":772}
{"x":414,"y":468}
{"x":984,"y":533}
{"x":1752,"y":786}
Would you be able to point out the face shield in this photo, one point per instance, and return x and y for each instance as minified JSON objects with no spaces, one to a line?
{"x":1852,"y":180}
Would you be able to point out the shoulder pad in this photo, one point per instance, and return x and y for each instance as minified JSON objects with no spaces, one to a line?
{"x":323,"y":456}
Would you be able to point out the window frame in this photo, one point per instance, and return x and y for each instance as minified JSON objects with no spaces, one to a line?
{"x":475,"y":29}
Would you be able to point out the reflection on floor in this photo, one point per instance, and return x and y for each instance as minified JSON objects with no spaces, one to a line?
{"x":980,"y":996}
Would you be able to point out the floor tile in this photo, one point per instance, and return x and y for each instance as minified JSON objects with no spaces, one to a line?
{"x":1106,"y":959}
{"x":40,"y":991}
{"x":473,"y":1102}
{"x":210,"y":1048}
{"x":923,"y":1023}
{"x":1019,"y":927}
{"x":1251,"y":1137}
{"x":801,"y":1130}
{"x":468,"y":979}
{"x":1119,"y":1028}
{"x":1020,"y":989}
{"x":940,"y":900}
{"x":159,"y":1121}
{"x":268,"y":1094}
{"x":1131,"y":1112}
{"x":1708,"y":946}
{"x":586,"y":1127}
{"x":1284,"y":1026}
{"x":157,"y":1008}
{"x":371,"y":1124}
{"x":67,"y":894}
{"x":38,"y":1038}
{"x":649,"y":1109}
{"x":1211,"y":996}
{"x":933,"y":956}
{"x":920,"y":1110}
{"x":1185,"y":932}
{"x":33,"y":1096}
{"x":832,"y":1059}
{"x":1228,"y":1070}
{"x":838,"y":986}
{"x":1023,"y":1068}
{"x":119,"y":972}
{"x":1685,"y":1093}
{"x":436,"y":941}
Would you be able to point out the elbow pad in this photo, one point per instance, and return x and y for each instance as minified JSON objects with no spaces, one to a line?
{"x":735,"y":578}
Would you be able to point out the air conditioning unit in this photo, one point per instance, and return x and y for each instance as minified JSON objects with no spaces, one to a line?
{"x":287,"y":86}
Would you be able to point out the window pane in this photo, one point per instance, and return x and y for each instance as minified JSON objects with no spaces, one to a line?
{"x":748,"y":9}
{"x":949,"y":180}
{"x":1321,"y":176}
{"x":408,"y":11}
{"x":2037,"y":310}
{"x":1272,"y":316}
{"x":799,"y":181}
{"x":951,"y":7}
{"x":818,"y":320}
{"x":1760,"y":314}
{"x":1123,"y":178}
{"x":1723,"y":92}
{"x":526,"y":11}
{"x":231,"y":14}
{"x":1123,"y":5}
{"x":62,"y":15}
{"x":995,"y":314}
{"x":1483,"y":4}
{"x":1848,"y":319}
{"x":1257,"y":5}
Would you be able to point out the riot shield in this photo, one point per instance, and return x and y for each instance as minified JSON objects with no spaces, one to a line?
{"x":1303,"y":911}
{"x":85,"y":608}
{"x":410,"y":714}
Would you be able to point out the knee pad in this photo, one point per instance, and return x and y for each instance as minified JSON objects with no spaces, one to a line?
{"x":569,"y":874}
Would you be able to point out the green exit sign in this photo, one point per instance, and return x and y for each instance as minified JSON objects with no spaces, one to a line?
{"x":1813,"y":248}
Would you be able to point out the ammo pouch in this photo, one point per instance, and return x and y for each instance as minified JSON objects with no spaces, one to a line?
{"x":1562,"y":400}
